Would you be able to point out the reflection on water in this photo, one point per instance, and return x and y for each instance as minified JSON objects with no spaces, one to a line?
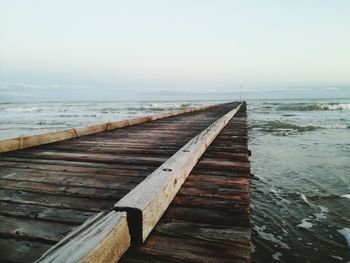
{"x":301,"y":161}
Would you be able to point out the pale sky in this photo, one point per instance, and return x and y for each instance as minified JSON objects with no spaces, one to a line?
{"x":211,"y":45}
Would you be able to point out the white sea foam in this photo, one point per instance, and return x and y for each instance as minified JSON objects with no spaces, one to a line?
{"x":333,"y":126}
{"x":340,"y":106}
{"x":277,"y":192}
{"x":276,"y":256}
{"x":303,"y":197}
{"x":305,"y":224}
{"x":313,"y":106}
{"x":270,"y":237}
{"x":322,"y":214}
{"x":21,"y":109}
{"x":346,"y":196}
{"x":346,"y":233}
{"x":253,"y":249}
{"x":336,"y":257}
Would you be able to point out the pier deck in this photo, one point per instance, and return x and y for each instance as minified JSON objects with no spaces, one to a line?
{"x":208,"y":221}
{"x":49,"y":190}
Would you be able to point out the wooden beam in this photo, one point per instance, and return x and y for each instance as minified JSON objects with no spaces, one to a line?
{"x":147,"y":202}
{"x":34,"y":140}
{"x":103,"y":238}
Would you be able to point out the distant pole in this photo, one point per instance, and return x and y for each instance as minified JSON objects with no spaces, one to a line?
{"x":240,"y":92}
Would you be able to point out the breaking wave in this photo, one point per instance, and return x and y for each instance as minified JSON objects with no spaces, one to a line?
{"x":313,"y":107}
{"x":286,"y":127}
{"x":281,"y":126}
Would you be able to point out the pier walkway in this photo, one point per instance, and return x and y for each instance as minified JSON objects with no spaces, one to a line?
{"x":76,"y":199}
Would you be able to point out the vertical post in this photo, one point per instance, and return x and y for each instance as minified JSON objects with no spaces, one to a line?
{"x":240,"y":92}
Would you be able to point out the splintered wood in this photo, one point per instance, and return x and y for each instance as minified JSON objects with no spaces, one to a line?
{"x":57,"y":199}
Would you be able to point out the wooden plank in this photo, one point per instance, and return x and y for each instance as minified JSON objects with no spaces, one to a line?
{"x":69,"y":179}
{"x":14,"y":250}
{"x":213,"y":202}
{"x":59,"y":215}
{"x":165,"y":248}
{"x":68,"y":165}
{"x":208,"y":232}
{"x":147,"y":202}
{"x":207,"y":215}
{"x":112,"y":150}
{"x":30,"y":141}
{"x":130,"y":170}
{"x":35,"y":230}
{"x":91,"y":157}
{"x":58,"y":201}
{"x":103,"y":238}
{"x":58,"y":190}
{"x":123,"y":176}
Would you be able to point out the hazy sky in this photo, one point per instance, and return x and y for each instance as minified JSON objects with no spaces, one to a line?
{"x":174,"y":45}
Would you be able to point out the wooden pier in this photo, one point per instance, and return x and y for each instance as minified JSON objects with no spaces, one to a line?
{"x":172,"y":187}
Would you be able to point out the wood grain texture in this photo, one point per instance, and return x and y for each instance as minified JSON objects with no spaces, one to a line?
{"x":103,"y":238}
{"x":147,"y":202}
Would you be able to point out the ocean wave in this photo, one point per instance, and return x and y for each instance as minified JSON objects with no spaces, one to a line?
{"x":327,"y":197}
{"x":22,"y":109}
{"x":282,"y":126}
{"x":345,"y":232}
{"x":346,"y":196}
{"x":313,"y":106}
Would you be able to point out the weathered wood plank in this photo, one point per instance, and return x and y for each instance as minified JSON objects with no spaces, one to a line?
{"x":58,"y":201}
{"x":207,"y":215}
{"x":69,"y":179}
{"x":112,"y":150}
{"x":167,"y":248}
{"x":26,"y":162}
{"x":147,"y":202}
{"x":103,"y":238}
{"x":91,"y":157}
{"x":110,"y":170}
{"x":59,"y":215}
{"x":14,"y":250}
{"x":213,"y":202}
{"x":121,"y":176}
{"x":64,"y":190}
{"x":33,"y":230}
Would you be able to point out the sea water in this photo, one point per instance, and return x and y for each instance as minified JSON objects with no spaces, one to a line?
{"x":300,"y":194}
